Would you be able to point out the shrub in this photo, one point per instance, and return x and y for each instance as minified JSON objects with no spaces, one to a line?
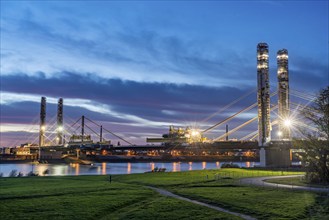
{"x":13,"y":173}
{"x":230,"y":165}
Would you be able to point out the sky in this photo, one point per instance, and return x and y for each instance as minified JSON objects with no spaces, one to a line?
{"x":137,"y":67}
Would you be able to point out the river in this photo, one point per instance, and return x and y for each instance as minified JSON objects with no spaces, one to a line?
{"x":111,"y":168}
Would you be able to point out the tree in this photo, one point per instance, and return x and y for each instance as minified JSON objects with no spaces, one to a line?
{"x":316,"y":144}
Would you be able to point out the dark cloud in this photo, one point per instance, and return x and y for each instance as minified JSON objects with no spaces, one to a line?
{"x":308,"y":75}
{"x":20,"y":112}
{"x":125,"y":96}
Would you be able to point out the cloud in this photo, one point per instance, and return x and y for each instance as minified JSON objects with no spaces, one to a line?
{"x":122,"y":96}
{"x":308,"y":75}
{"x":110,"y":48}
{"x":8,"y":98}
{"x":138,"y":55}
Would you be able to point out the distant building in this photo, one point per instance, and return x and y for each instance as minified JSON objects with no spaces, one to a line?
{"x":6,"y":150}
{"x":22,"y":151}
{"x":51,"y":155}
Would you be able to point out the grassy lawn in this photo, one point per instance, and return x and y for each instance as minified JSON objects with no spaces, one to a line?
{"x":222,"y":188}
{"x":198,"y":176}
{"x":258,"y":202}
{"x":93,"y":197}
{"x":299,"y":181}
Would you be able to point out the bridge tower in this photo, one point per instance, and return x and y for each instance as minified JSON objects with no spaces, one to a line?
{"x":263,"y":95}
{"x":82,"y":128}
{"x":60,"y":127}
{"x":283,"y":93}
{"x":42,"y":122}
{"x":263,"y":99}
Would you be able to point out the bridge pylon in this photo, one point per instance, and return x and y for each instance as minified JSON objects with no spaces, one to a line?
{"x":283,"y":94}
{"x":42,"y":122}
{"x":60,"y":127}
{"x":271,"y":153}
{"x":263,"y":95}
{"x":263,"y":99}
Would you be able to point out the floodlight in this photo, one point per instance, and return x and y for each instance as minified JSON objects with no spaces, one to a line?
{"x":287,"y":122}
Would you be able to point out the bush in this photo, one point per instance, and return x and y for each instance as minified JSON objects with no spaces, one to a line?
{"x":230,"y":165}
{"x":32,"y":174}
{"x":13,"y":173}
{"x":312,"y":177}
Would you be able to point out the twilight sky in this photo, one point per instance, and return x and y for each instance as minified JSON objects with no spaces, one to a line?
{"x":137,"y":67}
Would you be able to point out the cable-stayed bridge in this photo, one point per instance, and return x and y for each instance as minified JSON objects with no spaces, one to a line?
{"x":83,"y":131}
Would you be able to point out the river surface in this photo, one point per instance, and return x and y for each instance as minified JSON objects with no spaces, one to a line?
{"x":111,"y":168}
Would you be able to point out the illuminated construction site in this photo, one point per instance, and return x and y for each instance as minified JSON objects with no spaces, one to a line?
{"x":189,"y":141}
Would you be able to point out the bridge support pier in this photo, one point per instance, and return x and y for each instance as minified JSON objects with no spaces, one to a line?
{"x":262,"y":157}
{"x":276,"y":154}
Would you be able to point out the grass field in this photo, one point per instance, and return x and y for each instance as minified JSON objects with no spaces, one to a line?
{"x":198,"y":176}
{"x":91,"y":197}
{"x":222,"y":188}
{"x":94,"y":197}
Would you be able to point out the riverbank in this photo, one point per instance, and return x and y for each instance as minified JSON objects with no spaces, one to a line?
{"x":126,"y":197}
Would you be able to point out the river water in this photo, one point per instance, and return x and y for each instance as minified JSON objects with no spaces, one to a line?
{"x":111,"y":168}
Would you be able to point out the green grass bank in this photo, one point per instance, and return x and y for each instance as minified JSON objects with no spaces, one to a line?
{"x":94,"y":197}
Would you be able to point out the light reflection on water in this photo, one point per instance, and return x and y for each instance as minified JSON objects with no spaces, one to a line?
{"x":128,"y":168}
{"x":111,"y":168}
{"x":77,"y":169}
{"x":175,"y":166}
{"x":190,"y":165}
{"x":103,"y":168}
{"x":152,"y":166}
{"x":204,"y":165}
